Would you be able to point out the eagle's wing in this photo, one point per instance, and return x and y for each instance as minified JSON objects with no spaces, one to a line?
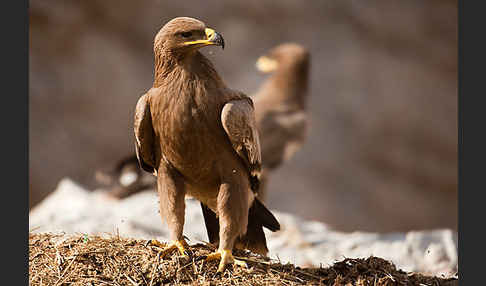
{"x":284,"y":134}
{"x":144,"y":135}
{"x":238,"y":119}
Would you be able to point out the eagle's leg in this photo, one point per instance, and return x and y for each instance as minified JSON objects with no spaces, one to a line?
{"x":170,"y":186}
{"x":233,"y":220}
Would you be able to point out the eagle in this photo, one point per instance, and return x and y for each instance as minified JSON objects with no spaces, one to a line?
{"x":199,"y":137}
{"x":280,"y":106}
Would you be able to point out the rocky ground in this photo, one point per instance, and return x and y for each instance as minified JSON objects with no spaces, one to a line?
{"x":72,"y":210}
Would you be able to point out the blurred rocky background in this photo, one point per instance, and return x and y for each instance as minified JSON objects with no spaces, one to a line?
{"x":382,"y":148}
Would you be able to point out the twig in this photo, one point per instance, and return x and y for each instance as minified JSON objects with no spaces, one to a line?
{"x":37,"y":254}
{"x":34,"y":229}
{"x":138,"y":270}
{"x":60,"y":280}
{"x":308,"y":274}
{"x":251,"y":260}
{"x":287,"y":274}
{"x":390,"y":276}
{"x":59,"y":260}
{"x":130,"y":279}
{"x":99,"y":280}
{"x":153,"y":269}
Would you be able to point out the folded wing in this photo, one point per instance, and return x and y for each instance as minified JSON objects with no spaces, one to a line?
{"x":238,"y":121}
{"x":144,"y":135}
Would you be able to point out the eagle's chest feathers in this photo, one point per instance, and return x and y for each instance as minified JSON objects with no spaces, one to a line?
{"x":188,"y":128}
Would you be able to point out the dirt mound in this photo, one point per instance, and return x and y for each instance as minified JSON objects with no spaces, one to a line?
{"x":113,"y":260}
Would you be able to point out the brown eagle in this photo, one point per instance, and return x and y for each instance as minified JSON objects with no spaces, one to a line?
{"x":199,"y":137}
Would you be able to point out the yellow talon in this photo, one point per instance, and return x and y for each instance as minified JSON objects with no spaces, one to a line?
{"x":181,"y":245}
{"x":226,"y":257}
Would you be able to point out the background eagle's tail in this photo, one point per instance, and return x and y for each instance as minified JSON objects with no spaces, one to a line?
{"x":254,"y":239}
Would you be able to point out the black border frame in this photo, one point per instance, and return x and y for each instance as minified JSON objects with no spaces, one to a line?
{"x":15,"y":119}
{"x":471,"y":62}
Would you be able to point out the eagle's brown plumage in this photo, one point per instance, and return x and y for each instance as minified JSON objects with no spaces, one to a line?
{"x":199,"y":137}
{"x":280,"y":110}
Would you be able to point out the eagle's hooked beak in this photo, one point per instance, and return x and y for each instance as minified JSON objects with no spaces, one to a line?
{"x":212,"y":38}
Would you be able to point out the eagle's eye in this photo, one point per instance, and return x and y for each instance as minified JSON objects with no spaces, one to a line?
{"x":186,"y":34}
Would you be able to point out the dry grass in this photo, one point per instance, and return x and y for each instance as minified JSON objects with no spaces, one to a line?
{"x":94,"y":260}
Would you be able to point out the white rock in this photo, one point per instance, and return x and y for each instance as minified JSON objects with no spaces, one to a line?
{"x":72,"y":209}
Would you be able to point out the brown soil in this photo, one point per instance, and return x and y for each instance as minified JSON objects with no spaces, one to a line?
{"x":94,"y":260}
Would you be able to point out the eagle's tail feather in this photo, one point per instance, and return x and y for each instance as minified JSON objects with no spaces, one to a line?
{"x":212,"y":224}
{"x":254,"y":239}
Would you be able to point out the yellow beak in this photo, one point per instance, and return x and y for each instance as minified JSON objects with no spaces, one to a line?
{"x":266,"y":64}
{"x":212,"y":38}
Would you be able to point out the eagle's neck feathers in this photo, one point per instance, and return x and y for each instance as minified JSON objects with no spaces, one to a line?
{"x":188,"y":73}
